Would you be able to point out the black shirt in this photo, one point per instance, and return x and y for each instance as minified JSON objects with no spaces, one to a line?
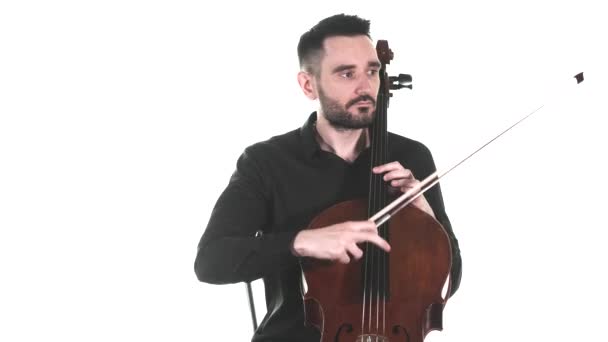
{"x":278,"y":187}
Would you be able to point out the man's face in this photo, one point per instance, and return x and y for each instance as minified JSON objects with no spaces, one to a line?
{"x":348,"y":82}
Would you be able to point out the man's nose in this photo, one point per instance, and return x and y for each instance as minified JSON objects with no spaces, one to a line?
{"x":364,"y":86}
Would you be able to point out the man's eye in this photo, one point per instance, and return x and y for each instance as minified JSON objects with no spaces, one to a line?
{"x":373,"y":72}
{"x":347,"y":74}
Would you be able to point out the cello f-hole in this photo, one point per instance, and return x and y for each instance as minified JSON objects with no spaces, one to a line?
{"x":396,"y":332}
{"x":348,"y":327}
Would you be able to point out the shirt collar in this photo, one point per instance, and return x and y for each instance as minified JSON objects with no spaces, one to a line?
{"x":307,"y":132}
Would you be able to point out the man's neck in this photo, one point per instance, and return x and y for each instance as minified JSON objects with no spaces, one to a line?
{"x":345,"y":143}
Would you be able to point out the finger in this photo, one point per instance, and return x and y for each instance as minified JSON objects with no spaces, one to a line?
{"x":355,"y":251}
{"x":376,"y":240}
{"x":344,"y":258}
{"x":406,"y":182}
{"x":405,"y":189}
{"x":387,"y":167}
{"x":398,"y":174}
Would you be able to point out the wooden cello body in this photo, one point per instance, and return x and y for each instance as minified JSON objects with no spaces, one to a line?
{"x":382,"y":297}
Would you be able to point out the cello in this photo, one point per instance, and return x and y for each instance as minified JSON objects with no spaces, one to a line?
{"x":382,"y":297}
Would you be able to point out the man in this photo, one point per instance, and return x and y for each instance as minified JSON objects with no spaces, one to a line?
{"x":280,"y":184}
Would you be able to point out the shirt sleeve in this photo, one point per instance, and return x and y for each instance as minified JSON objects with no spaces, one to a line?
{"x":229,"y":250}
{"x":435,"y":199}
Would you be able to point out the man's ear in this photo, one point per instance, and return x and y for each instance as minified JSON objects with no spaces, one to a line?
{"x":306,"y":82}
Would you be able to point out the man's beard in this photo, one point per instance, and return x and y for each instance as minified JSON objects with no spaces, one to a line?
{"x":340,"y":118}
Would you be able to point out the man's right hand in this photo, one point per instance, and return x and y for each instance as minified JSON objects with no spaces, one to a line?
{"x":338,"y":241}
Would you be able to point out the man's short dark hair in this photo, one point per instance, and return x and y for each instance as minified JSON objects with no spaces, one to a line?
{"x":310,"y":47}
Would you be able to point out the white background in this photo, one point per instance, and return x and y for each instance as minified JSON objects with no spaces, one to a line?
{"x":121,"y":122}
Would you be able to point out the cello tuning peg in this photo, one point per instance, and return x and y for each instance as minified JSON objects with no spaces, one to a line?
{"x":399,"y":86}
{"x":405,"y":78}
{"x":401,"y":81}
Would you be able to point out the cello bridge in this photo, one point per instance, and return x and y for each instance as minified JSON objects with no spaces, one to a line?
{"x":372,"y":338}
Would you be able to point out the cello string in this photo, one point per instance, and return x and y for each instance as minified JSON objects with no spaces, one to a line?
{"x":382,"y":187}
{"x":378,"y":140}
{"x":364,"y":289}
{"x":377,"y":202}
{"x":385,"y":227}
{"x":377,"y":193}
{"x":367,"y":292}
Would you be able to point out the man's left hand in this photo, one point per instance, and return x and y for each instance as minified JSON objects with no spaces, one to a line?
{"x":402,"y":179}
